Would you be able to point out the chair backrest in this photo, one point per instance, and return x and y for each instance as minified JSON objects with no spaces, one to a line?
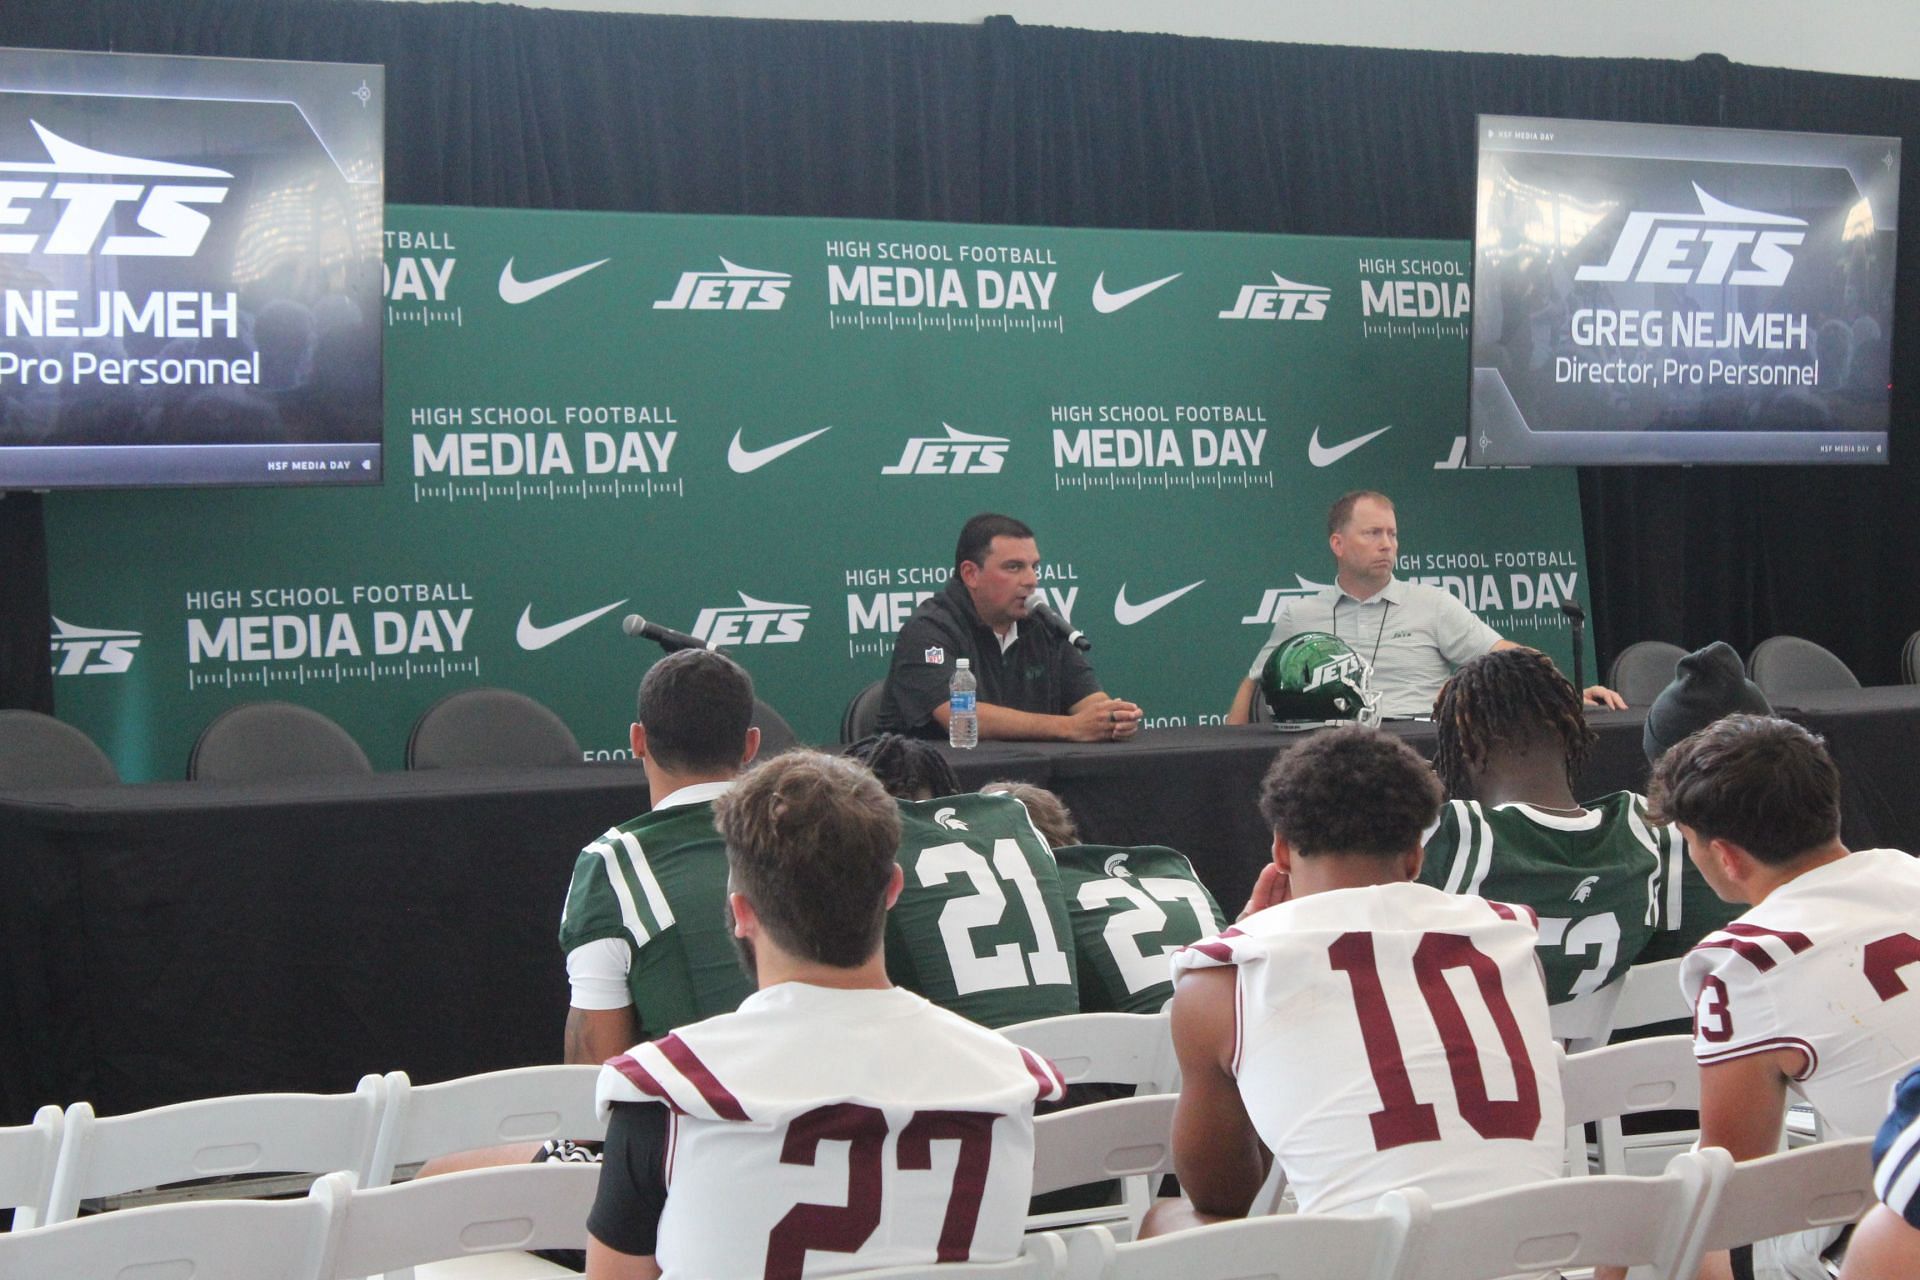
{"x":1042,"y":1257}
{"x":254,"y":1133}
{"x":475,"y":728}
{"x":1826,"y":1185}
{"x":525,"y":1104}
{"x":457,"y":1215}
{"x":776,"y":735}
{"x":28,"y":1154}
{"x":1786,"y":665}
{"x":1128,"y":1138}
{"x":1324,"y":1246}
{"x":1910,"y":659}
{"x":264,"y":741}
{"x":1651,"y":994}
{"x":1557,"y":1224}
{"x":1105,"y":1048}
{"x":204,"y":1239}
{"x":1659,"y":1074}
{"x":40,"y":751}
{"x":1643,"y":669}
{"x":862,"y":717}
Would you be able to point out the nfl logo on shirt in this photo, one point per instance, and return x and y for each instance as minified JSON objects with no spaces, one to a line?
{"x":936,"y":655}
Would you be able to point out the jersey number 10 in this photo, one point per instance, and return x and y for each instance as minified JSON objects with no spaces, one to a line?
{"x":1404,"y":1118}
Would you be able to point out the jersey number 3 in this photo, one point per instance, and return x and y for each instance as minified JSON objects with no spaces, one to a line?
{"x":1403,"y":1118}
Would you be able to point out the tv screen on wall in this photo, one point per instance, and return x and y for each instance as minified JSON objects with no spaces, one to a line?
{"x":1665,"y":294}
{"x":190,"y":271}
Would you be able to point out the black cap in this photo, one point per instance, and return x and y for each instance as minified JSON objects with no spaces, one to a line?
{"x":1707,"y":685}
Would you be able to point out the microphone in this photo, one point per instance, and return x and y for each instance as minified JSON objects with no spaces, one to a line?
{"x":1038,"y":609}
{"x":666,"y":637}
{"x":1578,"y":618}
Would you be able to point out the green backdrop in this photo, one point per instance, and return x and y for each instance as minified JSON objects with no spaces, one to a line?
{"x":769,"y":431}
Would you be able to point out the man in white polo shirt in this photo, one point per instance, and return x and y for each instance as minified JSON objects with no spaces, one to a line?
{"x":1413,"y":636}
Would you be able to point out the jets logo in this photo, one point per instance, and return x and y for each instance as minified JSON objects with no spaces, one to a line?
{"x":85,"y":209}
{"x":1284,"y":299}
{"x":950,"y":820}
{"x":1274,"y":599}
{"x":1333,"y":670}
{"x":955,"y":454}
{"x":752,"y":622}
{"x":733,"y":288}
{"x":91,"y":651}
{"x":1721,"y":244}
{"x":1584,"y":890}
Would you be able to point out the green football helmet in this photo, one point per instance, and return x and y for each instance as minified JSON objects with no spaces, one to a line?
{"x":1318,"y":676}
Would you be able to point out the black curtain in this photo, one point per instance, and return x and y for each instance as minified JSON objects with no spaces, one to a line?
{"x":497,"y":105}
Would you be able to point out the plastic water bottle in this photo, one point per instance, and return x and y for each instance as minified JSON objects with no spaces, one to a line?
{"x":963,"y":722}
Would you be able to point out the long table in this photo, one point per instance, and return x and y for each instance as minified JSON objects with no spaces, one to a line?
{"x":176,"y":940}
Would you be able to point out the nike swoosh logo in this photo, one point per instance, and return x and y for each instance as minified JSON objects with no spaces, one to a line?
{"x":743,"y":459}
{"x":514,"y":292}
{"x":1127,"y":614}
{"x":1108,"y":303}
{"x":532,"y":637}
{"x":1325,"y":456}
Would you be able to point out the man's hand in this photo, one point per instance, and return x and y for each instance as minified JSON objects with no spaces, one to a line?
{"x":1272,"y":888}
{"x":1600,"y":696}
{"x":1099,"y":718}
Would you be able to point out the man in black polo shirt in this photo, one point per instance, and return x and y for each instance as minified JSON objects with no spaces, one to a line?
{"x":1033,"y":684}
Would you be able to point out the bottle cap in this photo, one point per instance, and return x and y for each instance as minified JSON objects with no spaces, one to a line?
{"x":962,"y":664}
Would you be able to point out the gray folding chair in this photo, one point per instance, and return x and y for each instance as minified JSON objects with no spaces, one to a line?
{"x":1786,"y":665}
{"x":476,"y":728}
{"x":40,"y":751}
{"x":862,"y":718}
{"x":268,"y":741}
{"x":1643,"y":669}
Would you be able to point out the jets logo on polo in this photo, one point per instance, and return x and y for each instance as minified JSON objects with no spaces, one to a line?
{"x":91,"y":651}
{"x":732,"y":288}
{"x":84,"y":211}
{"x":1284,"y":299}
{"x":752,"y":622}
{"x":955,"y":454}
{"x":1721,"y":244}
{"x":1274,"y":599}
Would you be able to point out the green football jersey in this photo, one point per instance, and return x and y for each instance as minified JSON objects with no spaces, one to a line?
{"x":981,"y":926}
{"x":1131,"y":909}
{"x":659,"y":884}
{"x":1599,"y":883}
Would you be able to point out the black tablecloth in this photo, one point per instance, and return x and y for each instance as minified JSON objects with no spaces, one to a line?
{"x":179,"y":940}
{"x":182,"y":940}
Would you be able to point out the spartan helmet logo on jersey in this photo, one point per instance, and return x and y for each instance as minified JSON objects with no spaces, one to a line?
{"x":1318,"y":676}
{"x":1582,"y":890}
{"x":950,"y":820}
{"x":1116,"y":865}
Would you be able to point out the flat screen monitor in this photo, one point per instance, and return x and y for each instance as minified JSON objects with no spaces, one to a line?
{"x":190,"y":271}
{"x":1667,"y":294}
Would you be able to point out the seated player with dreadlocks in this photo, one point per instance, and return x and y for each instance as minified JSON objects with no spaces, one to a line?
{"x":981,"y":926}
{"x":1602,"y":877}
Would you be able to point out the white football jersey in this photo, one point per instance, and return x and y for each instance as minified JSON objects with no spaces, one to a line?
{"x":1393,"y":1036}
{"x":1820,"y":967}
{"x":818,"y":1131}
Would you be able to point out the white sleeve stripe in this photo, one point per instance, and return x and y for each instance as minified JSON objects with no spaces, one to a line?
{"x":1897,"y":1180}
{"x":1654,"y":878}
{"x":617,"y":880}
{"x":643,"y":872}
{"x":1457,"y":873}
{"x":1482,"y":853}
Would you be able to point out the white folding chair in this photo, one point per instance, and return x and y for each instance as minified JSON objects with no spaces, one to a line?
{"x":1819,"y":1187}
{"x":204,"y":1239}
{"x":1323,"y":1246}
{"x":1602,"y":1085}
{"x":458,"y":1216}
{"x":1560,"y":1223}
{"x":1042,"y":1257}
{"x":1128,"y":1138}
{"x":28,"y":1154}
{"x":526,"y":1104}
{"x":1105,"y":1048}
{"x":1648,"y":993}
{"x":215,"y":1137}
